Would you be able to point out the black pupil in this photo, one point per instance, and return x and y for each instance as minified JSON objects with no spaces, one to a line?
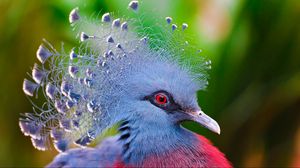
{"x":162,"y":99}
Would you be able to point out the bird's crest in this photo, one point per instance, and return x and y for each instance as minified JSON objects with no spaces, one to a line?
{"x":76,"y":84}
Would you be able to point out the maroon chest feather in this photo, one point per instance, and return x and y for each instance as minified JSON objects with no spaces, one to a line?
{"x":205,"y":155}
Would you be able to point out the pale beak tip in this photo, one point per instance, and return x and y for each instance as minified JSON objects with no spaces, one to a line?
{"x":218,"y":131}
{"x":207,"y":122}
{"x":214,"y":126}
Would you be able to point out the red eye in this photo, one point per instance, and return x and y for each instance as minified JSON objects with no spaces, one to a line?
{"x":161,"y":99}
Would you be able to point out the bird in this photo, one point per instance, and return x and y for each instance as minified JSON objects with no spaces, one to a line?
{"x":121,"y":75}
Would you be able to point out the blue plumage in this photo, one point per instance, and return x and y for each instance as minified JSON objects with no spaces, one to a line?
{"x":118,"y":76}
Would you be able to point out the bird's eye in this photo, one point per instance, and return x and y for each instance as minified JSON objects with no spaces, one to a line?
{"x":161,"y":99}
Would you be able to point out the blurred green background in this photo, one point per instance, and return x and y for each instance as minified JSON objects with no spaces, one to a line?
{"x":254,"y":90}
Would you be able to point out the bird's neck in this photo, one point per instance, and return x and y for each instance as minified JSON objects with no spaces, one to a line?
{"x":153,"y":140}
{"x":162,"y":145}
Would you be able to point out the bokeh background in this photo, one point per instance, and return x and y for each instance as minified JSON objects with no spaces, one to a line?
{"x":254,"y":90}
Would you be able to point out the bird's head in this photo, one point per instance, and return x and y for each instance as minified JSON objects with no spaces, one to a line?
{"x":162,"y":92}
{"x":114,"y":75}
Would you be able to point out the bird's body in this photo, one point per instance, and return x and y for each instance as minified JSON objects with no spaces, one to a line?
{"x":117,"y":77}
{"x":183,"y":149}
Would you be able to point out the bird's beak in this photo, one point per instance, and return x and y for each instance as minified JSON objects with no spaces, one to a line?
{"x":204,"y":120}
